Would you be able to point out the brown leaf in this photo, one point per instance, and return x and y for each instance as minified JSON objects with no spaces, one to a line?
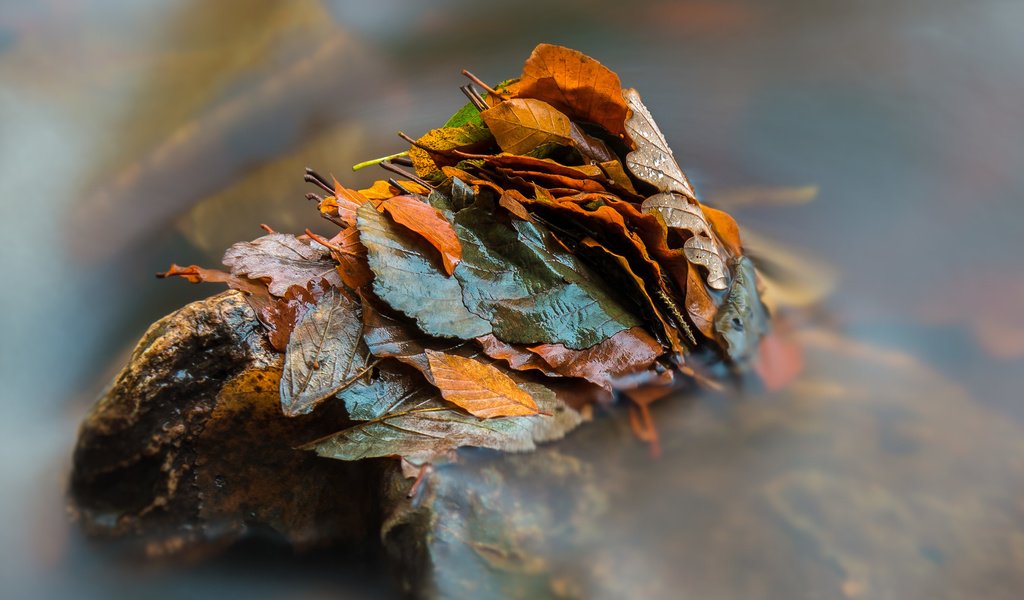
{"x":281,"y":315}
{"x":518,"y":357}
{"x":350,"y":254}
{"x":344,"y":202}
{"x":699,"y":304}
{"x":522,"y":125}
{"x":429,"y":223}
{"x":323,"y":353}
{"x":652,"y":161}
{"x":283,"y":260}
{"x":725,"y":228}
{"x":480,"y":389}
{"x":575,"y":84}
{"x":624,"y":353}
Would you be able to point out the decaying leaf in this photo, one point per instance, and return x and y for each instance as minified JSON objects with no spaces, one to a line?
{"x":701,"y":248}
{"x":480,"y":389}
{"x":323,"y":353}
{"x":434,"y":143}
{"x":283,"y":260}
{"x":625,"y":353}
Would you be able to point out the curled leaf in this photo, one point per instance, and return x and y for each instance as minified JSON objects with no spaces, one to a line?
{"x":480,"y":389}
{"x":429,"y":223}
{"x":742,"y":320}
{"x":701,"y":248}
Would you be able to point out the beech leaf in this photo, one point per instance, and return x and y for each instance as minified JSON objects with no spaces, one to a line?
{"x":526,"y":125}
{"x":625,"y":353}
{"x":429,"y":223}
{"x":407,"y":280}
{"x":284,"y":260}
{"x":575,"y":84}
{"x":322,"y":353}
{"x":466,"y":137}
{"x":480,"y":389}
{"x":680,"y":212}
{"x":515,"y":276}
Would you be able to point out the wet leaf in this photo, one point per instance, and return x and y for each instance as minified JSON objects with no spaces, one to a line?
{"x":283,"y":260}
{"x":376,"y":392}
{"x":423,"y":427}
{"x":516,"y":357}
{"x":281,"y":315}
{"x":323,"y":353}
{"x":701,"y":248}
{"x":429,"y":223}
{"x":408,"y":280}
{"x":390,"y":335}
{"x":575,"y":84}
{"x":529,"y":290}
{"x":625,"y":353}
{"x":742,"y":320}
{"x":652,"y":161}
{"x":480,"y":389}
{"x":350,"y":254}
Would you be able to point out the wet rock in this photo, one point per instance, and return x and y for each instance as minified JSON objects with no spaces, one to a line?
{"x":188,"y":449}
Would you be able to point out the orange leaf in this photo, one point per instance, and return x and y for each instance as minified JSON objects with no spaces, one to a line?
{"x":575,"y":84}
{"x":382,"y":190}
{"x":429,"y":223}
{"x":480,"y":389}
{"x":725,"y":228}
{"x":345,"y":201}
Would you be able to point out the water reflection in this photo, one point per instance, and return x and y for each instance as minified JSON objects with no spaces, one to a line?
{"x":136,"y":135}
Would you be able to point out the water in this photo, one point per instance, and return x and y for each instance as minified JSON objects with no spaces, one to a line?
{"x":133,"y":136}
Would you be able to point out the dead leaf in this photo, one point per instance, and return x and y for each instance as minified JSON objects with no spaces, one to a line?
{"x":652,"y":161}
{"x":323,"y":353}
{"x":480,"y":389}
{"x":575,"y":84}
{"x":701,"y":248}
{"x":625,"y":353}
{"x":429,"y":223}
{"x":283,"y":260}
{"x":526,"y":125}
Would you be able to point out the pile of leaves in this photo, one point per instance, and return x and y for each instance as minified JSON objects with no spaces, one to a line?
{"x":540,"y":252}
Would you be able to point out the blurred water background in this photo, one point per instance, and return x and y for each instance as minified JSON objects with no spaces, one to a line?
{"x":137,"y":134}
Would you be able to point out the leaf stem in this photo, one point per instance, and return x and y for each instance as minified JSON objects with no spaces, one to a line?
{"x":369,"y":163}
{"x":477,"y":81}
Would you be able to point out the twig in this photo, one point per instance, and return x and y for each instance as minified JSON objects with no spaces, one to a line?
{"x":477,"y":81}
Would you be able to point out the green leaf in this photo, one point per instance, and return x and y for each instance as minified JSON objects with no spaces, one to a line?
{"x":532,"y":292}
{"x":421,"y":426}
{"x":322,"y":353}
{"x":467,"y":115}
{"x":406,"y":278}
